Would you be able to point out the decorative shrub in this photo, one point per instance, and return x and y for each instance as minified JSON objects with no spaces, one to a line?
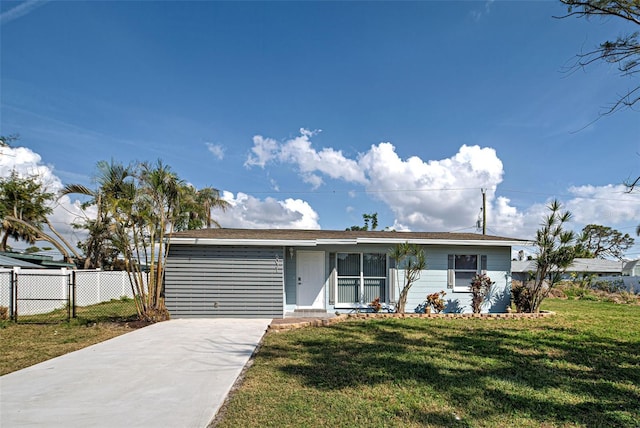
{"x":480,"y":286}
{"x":609,"y":286}
{"x":521,"y":297}
{"x":436,"y":301}
{"x":375,"y":305}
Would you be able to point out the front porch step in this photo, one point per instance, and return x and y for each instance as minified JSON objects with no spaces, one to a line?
{"x":309,"y":313}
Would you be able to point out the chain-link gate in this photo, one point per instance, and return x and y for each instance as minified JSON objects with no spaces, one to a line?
{"x":43,"y":297}
{"x":52,"y":296}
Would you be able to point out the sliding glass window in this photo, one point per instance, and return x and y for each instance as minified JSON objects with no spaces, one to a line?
{"x":362,"y":277}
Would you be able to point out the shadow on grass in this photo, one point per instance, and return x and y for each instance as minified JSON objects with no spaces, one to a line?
{"x":544,"y":373}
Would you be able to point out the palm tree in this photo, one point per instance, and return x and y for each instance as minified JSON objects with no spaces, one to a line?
{"x":158,"y":208}
{"x":114,"y":182}
{"x":209,"y":198}
{"x":411,"y":259}
{"x":196,"y":206}
{"x":138,"y":209}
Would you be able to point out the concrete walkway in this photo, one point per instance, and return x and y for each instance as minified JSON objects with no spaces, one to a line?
{"x":171,"y":374}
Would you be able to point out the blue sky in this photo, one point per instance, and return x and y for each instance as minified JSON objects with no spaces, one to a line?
{"x":309,"y":114}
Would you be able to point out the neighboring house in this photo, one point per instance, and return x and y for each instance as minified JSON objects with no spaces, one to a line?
{"x":270,"y":273}
{"x":9,"y":262}
{"x":42,"y":261}
{"x":631,"y":268}
{"x":580,"y":266}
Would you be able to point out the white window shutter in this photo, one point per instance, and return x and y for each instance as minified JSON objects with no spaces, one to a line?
{"x":451,"y":273}
{"x":392,"y":287}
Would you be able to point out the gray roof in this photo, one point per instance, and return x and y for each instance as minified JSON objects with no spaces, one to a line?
{"x":630,"y":264}
{"x":596,"y":265}
{"x":312,"y":237}
{"x":523,"y":265}
{"x":11,"y":262}
{"x":578,"y":265}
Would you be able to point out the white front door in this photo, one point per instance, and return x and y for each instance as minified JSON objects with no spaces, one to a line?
{"x":310,"y":279}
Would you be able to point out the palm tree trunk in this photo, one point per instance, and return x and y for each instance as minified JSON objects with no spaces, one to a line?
{"x":3,"y":244}
{"x":43,"y":236}
{"x":61,"y":238}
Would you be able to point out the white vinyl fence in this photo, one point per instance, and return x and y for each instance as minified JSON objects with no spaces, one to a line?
{"x":38,"y":291}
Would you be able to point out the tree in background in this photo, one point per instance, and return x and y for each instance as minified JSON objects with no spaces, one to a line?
{"x":23,"y":199}
{"x":6,"y":140}
{"x":623,"y":52}
{"x":556,"y":251}
{"x":598,"y":241}
{"x":24,"y":207}
{"x":373,"y":218}
{"x":411,"y":259}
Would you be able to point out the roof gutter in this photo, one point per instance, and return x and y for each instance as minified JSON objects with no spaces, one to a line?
{"x":467,"y":242}
{"x":248,"y":242}
{"x":356,"y":241}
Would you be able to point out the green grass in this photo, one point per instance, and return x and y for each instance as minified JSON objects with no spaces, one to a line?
{"x":114,"y":310}
{"x":578,"y":368}
{"x":25,"y":344}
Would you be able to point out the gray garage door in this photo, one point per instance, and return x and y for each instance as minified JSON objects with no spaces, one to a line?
{"x":213,"y":282}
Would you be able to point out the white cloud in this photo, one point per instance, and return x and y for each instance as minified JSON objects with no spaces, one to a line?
{"x":216,"y":150}
{"x":608,"y":204}
{"x":263,"y":151}
{"x":247,"y":211}
{"x":433,"y":195}
{"x":310,"y":162}
{"x":27,"y":163}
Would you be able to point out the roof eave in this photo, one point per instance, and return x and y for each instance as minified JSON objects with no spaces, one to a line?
{"x":244,"y":242}
{"x":356,"y":241}
{"x":465,"y":242}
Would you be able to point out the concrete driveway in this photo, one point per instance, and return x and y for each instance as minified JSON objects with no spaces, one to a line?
{"x":171,"y":374}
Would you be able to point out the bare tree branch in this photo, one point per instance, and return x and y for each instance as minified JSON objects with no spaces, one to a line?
{"x":629,"y":11}
{"x":623,"y":52}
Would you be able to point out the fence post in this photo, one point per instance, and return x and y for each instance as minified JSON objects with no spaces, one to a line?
{"x":73,"y":293}
{"x":14,"y":289}
{"x":98,"y":284}
{"x":12,"y":284}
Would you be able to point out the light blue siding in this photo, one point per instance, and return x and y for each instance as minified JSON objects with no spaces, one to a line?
{"x":434,"y":279}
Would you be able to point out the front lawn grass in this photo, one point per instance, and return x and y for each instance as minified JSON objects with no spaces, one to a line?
{"x":25,"y":344}
{"x":578,"y":368}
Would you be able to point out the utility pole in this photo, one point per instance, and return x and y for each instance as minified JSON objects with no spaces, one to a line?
{"x":484,"y":211}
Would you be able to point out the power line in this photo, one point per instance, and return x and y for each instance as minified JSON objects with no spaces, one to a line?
{"x":442,"y":189}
